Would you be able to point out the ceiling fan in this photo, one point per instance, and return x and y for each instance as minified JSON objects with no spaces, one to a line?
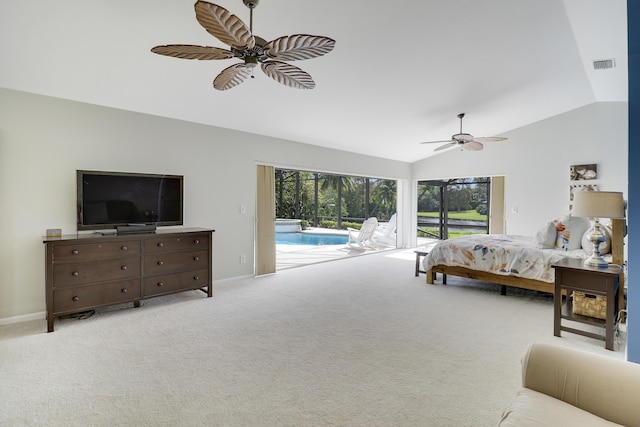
{"x":251,"y":49}
{"x":464,"y":140}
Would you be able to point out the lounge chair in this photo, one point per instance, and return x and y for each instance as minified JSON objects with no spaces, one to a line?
{"x":363,"y":238}
{"x":385,"y":235}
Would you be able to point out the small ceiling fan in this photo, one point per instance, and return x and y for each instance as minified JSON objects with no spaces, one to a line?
{"x":464,"y":140}
{"x":251,"y":49}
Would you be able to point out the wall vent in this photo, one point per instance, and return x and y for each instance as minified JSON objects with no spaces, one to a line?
{"x":604,"y":64}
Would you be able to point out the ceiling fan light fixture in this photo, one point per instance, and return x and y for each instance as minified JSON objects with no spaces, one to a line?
{"x":465,"y":141}
{"x":250,"y":49}
{"x":251,"y":61}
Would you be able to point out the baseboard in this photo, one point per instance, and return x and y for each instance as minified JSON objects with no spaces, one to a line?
{"x":23,"y":318}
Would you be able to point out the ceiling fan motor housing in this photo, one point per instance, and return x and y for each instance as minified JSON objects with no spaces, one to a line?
{"x":465,"y":137}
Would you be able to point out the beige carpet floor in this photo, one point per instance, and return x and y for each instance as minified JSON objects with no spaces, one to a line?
{"x":354,"y":342}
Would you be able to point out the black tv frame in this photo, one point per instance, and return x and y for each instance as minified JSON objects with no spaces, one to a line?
{"x":80,"y":174}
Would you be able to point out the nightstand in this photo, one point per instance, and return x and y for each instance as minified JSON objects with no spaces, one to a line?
{"x":573,"y":276}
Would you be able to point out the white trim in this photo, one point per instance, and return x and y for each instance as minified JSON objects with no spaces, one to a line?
{"x":23,"y":318}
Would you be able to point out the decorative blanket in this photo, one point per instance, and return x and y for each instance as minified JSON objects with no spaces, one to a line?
{"x":503,"y":254}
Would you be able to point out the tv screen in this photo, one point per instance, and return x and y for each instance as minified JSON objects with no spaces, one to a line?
{"x":112,"y":199}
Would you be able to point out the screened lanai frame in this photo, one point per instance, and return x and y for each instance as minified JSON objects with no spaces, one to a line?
{"x":443,"y":223}
{"x":337,"y":197}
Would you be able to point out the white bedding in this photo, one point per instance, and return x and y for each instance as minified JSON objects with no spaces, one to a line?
{"x":504,"y":254}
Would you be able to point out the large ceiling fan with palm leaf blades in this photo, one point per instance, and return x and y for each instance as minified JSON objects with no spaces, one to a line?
{"x":251,"y":49}
{"x":464,"y":140}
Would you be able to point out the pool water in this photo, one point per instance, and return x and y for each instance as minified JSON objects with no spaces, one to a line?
{"x":314,"y":239}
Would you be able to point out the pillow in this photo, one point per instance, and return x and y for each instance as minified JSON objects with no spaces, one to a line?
{"x":605,"y":247}
{"x":570,"y":230}
{"x":545,"y":238}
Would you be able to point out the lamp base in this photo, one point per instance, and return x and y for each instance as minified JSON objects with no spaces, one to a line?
{"x":596,"y":261}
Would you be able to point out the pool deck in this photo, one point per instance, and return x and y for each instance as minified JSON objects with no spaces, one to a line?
{"x":289,"y":256}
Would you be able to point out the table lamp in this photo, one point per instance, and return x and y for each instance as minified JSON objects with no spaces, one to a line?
{"x":596,"y":205}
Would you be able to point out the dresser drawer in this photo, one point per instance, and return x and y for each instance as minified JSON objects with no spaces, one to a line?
{"x":176,"y":261}
{"x":95,"y":251}
{"x":83,"y":298}
{"x":174,"y":282}
{"x":176,"y":243}
{"x":79,"y":273}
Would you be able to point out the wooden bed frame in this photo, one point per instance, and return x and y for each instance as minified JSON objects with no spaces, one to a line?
{"x":618,"y":232}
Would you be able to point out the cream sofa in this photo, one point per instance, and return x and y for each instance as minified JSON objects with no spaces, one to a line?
{"x":566,"y":387}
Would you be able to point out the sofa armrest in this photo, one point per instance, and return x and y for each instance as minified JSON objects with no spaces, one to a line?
{"x":601,"y":385}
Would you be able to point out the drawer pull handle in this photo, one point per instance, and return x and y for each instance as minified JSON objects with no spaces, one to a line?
{"x":124,"y":248}
{"x":160,"y":262}
{"x":75,"y":252}
{"x":124,"y":290}
{"x":196,"y":258}
{"x":160,"y":244}
{"x":75,"y":299}
{"x":197,"y":241}
{"x":124,"y":267}
{"x":160,"y":284}
{"x":75,"y":274}
{"x":196,"y":277}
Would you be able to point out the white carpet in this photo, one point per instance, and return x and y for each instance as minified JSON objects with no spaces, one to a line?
{"x":354,"y":342}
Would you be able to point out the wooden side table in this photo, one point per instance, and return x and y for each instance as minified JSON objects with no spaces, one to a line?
{"x":421,"y":253}
{"x":572,"y":275}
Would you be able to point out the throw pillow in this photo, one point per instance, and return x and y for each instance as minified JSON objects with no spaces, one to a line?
{"x":545,"y":238}
{"x":570,"y":230}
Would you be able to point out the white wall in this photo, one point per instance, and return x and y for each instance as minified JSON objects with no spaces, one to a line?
{"x":44,"y":140}
{"x":535,"y":161}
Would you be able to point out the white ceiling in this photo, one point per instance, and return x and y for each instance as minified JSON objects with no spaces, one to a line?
{"x":400,"y":72}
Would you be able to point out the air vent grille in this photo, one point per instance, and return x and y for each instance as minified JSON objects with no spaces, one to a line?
{"x":604,"y":64}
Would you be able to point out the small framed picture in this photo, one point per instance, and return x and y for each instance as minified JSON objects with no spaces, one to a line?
{"x":54,"y":232}
{"x":583,"y":172}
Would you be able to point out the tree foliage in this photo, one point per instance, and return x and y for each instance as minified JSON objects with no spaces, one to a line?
{"x":339,"y":197}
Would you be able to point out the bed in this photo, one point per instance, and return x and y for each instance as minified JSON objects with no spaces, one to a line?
{"x":512,"y":260}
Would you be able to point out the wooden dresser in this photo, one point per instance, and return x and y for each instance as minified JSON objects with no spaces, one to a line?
{"x":86,"y":271}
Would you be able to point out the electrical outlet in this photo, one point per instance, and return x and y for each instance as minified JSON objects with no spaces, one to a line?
{"x":243,"y":259}
{"x":243,"y":209}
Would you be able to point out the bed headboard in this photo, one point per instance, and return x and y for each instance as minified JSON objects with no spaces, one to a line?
{"x":618,"y":232}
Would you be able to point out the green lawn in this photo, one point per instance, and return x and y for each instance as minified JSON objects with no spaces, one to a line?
{"x":452,"y":234}
{"x":472,"y":215}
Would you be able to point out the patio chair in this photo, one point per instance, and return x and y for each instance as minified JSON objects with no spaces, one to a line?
{"x":363,"y":238}
{"x":385,"y":235}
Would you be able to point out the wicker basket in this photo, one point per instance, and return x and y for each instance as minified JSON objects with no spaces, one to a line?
{"x":590,"y":305}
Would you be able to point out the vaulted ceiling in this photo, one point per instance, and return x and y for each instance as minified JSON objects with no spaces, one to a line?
{"x":400,"y":72}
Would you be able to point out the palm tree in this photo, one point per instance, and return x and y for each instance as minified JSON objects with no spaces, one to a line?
{"x":337,"y":182}
{"x":384,"y":197}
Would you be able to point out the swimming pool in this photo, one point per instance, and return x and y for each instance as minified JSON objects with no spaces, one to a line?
{"x":314,"y":239}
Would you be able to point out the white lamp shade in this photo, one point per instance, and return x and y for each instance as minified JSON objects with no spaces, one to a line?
{"x":598,"y":204}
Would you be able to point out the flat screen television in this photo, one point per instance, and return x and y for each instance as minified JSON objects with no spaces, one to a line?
{"x":114,"y":199}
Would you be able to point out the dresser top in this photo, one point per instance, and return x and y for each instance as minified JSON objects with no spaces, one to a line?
{"x":111,"y":234}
